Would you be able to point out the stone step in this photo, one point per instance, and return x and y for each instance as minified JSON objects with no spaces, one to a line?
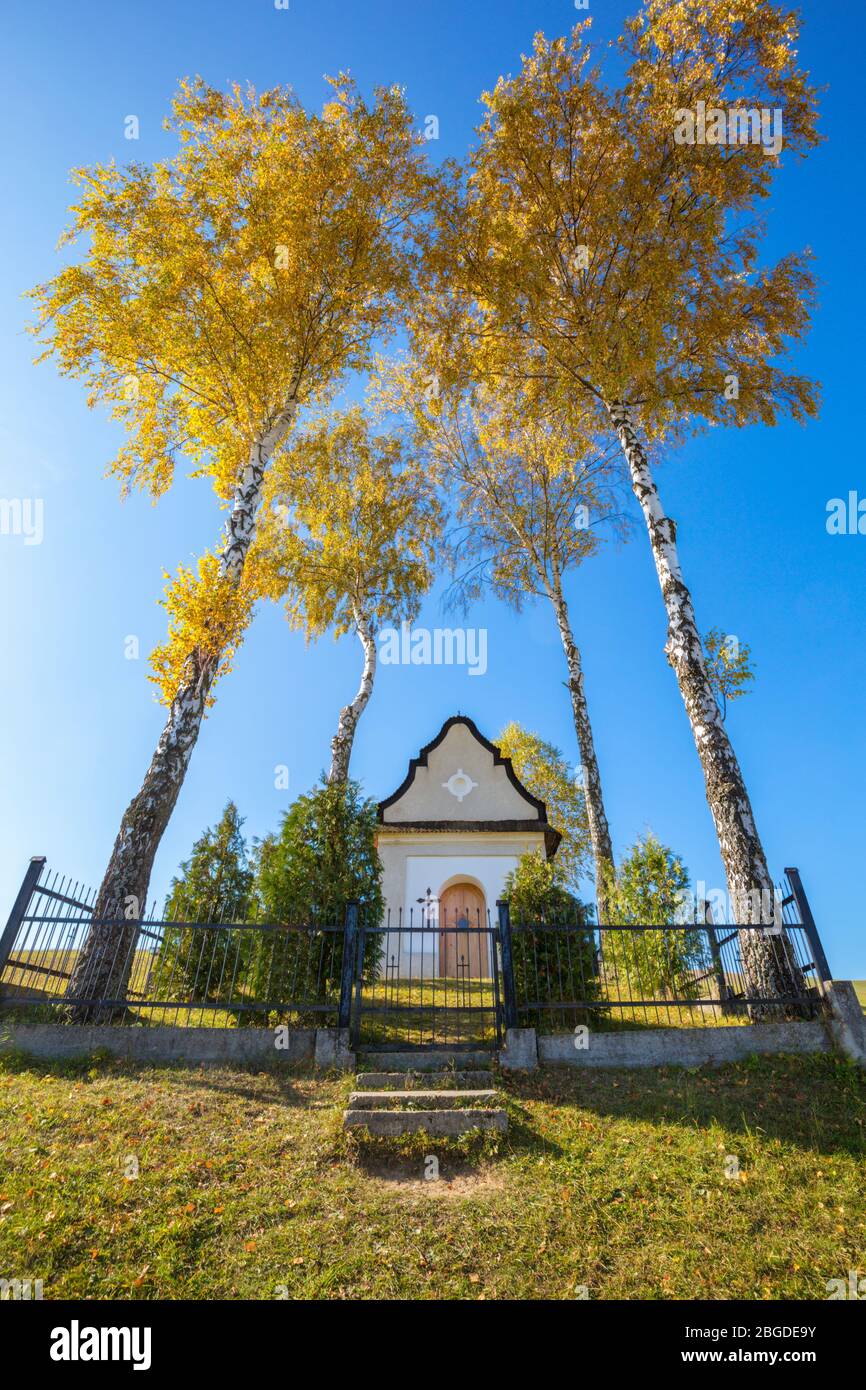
{"x":427,"y":1100}
{"x":425,"y":1061}
{"x":439,"y":1124}
{"x":435,"y":1080}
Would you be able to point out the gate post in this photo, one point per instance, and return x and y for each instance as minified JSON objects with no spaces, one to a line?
{"x":350,"y":951}
{"x":509,"y":996}
{"x":808,"y":922}
{"x":20,"y":906}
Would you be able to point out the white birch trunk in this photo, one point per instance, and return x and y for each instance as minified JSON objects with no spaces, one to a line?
{"x":343,"y":740}
{"x":103,"y":966}
{"x":599,"y":831}
{"x":767,"y":958}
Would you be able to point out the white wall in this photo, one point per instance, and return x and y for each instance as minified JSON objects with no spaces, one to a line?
{"x":413,"y":864}
{"x":489,"y":872}
{"x":416,"y":953}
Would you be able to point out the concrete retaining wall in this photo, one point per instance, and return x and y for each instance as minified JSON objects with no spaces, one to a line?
{"x":227,"y":1045}
{"x":844,"y":1030}
{"x":846,"y":1023}
{"x":683,"y":1047}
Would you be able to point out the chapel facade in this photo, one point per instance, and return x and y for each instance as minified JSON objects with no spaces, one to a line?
{"x":448,"y":838}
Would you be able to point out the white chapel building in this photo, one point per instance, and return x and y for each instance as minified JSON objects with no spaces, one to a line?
{"x":449,"y":836}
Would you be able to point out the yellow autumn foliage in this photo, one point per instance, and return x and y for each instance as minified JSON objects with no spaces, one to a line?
{"x":255,"y":267}
{"x":350,"y":522}
{"x":531,"y":493}
{"x":588,"y":254}
{"x":215,"y":292}
{"x":544,"y":771}
{"x":207,"y":617}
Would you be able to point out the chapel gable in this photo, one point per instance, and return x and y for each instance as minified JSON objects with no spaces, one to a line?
{"x":461,"y":777}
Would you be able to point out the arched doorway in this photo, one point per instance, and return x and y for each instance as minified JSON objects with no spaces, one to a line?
{"x":463,"y":953}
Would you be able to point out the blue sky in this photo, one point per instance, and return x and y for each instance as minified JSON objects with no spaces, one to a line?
{"x":78,"y":721}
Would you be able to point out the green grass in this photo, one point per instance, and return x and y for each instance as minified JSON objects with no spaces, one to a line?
{"x":611,"y":1180}
{"x":860,"y":987}
{"x":418,"y":1013}
{"x":49,"y":970}
{"x":411,"y":1012}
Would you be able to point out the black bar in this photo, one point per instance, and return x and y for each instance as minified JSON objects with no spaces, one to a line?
{"x":675,"y":1002}
{"x":494,"y":949}
{"x":509,"y":996}
{"x":718,"y":967}
{"x":808,"y":923}
{"x":829,"y":1342}
{"x":400,"y":1009}
{"x":19,"y":907}
{"x":63,"y":898}
{"x":309,"y":928}
{"x":347,"y":976}
{"x":138,"y":1000}
{"x":17,"y":964}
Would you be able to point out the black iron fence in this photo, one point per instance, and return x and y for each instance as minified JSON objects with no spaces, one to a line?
{"x":419,"y":980}
{"x":219,"y":973}
{"x":638,"y":976}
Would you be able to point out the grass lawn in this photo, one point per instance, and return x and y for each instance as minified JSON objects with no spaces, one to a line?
{"x":616,"y":1181}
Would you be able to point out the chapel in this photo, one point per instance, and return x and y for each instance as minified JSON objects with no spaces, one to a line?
{"x":449,"y":836}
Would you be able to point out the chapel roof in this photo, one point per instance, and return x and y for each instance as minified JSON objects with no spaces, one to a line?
{"x":523,"y":810}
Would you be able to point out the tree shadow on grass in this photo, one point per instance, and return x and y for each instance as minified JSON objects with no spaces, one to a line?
{"x":219,"y":1077}
{"x":229,"y":1081}
{"x":817,"y":1103}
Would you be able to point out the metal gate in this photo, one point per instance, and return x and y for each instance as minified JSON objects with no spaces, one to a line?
{"x":430,"y":980}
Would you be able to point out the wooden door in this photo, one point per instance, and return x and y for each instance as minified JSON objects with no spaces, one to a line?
{"x":463,"y":955}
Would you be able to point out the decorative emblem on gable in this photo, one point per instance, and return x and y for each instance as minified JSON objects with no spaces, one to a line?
{"x":460,"y":784}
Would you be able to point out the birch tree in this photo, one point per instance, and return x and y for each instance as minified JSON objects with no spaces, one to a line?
{"x":531,"y":498}
{"x":345,"y":541}
{"x":622,"y":262}
{"x":213,"y":296}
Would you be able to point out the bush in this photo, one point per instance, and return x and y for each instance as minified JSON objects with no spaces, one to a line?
{"x":649,"y":888}
{"x":214,"y":885}
{"x":323,"y":856}
{"x":550,"y":965}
